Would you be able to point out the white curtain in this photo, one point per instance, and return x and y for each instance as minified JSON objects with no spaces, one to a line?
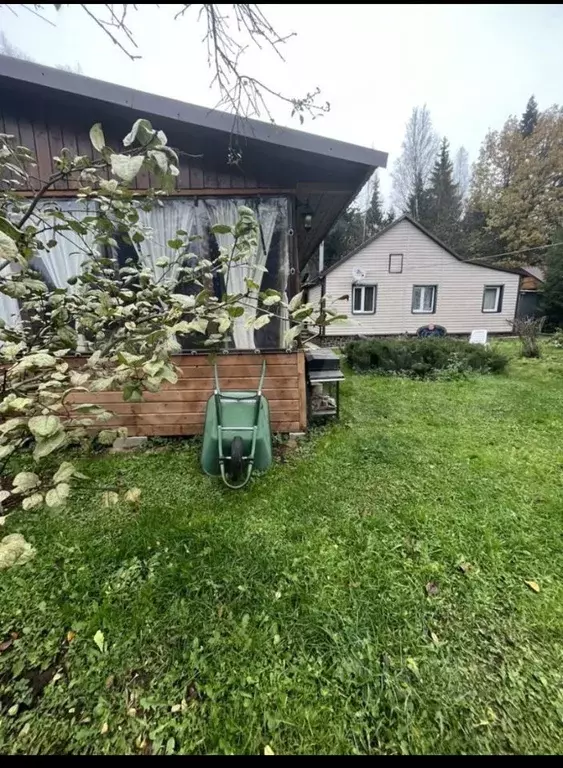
{"x":226,"y":212}
{"x":267,"y":217}
{"x":163,"y":223}
{"x":9,"y":308}
{"x":72,"y":249}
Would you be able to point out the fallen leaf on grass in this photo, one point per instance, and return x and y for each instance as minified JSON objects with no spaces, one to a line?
{"x":413,"y":666}
{"x":99,"y":640}
{"x":268,"y":750}
{"x":15,"y":550}
{"x":5,"y":645}
{"x":104,"y":728}
{"x":435,"y":639}
{"x":464,"y":567}
{"x":70,"y":636}
{"x":175,"y":708}
{"x":432,"y":588}
{"x":534,"y":586}
{"x":133,"y":495}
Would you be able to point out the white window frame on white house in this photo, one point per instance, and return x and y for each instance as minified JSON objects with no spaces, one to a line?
{"x":497,"y":305}
{"x":362,"y":289}
{"x":421,"y":309}
{"x":395,"y":263}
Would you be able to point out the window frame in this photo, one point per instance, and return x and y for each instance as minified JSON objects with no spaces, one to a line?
{"x":362,"y":287}
{"x":498,"y":303}
{"x":395,"y":271}
{"x":434,"y":300}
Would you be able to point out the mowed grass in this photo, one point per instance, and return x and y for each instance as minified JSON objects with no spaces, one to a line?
{"x":366,"y":596}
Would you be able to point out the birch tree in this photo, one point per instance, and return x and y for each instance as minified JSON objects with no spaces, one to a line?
{"x":413,"y":167}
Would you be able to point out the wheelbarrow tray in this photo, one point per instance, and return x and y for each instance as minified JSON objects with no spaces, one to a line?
{"x":238,"y":409}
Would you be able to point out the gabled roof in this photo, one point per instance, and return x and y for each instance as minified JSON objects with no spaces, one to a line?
{"x":415,"y":223}
{"x":58,"y":80}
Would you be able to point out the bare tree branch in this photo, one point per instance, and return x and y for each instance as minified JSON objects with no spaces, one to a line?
{"x":108,"y":33}
{"x":230,"y":31}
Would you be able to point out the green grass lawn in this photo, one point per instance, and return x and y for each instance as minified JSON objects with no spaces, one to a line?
{"x":366,"y":596}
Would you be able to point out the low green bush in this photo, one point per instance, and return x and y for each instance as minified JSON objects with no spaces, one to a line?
{"x":424,"y":358}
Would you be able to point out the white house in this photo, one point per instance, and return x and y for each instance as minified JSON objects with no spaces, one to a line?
{"x":404,"y":278}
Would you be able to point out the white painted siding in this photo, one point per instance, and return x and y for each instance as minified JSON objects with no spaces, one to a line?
{"x":315,"y":294}
{"x":460,"y":288}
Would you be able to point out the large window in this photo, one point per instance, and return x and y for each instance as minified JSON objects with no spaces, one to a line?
{"x":364,"y":298}
{"x":492,"y":298}
{"x":424,"y":299}
{"x":268,"y":266}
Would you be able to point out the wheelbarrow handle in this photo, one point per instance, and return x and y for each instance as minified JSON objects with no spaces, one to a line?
{"x":262,"y":377}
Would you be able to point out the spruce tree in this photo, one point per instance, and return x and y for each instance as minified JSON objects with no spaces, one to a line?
{"x":420,"y":207}
{"x":444,"y":199}
{"x":552,"y":304}
{"x":346,"y":233}
{"x":530,"y":117}
{"x":374,"y":213}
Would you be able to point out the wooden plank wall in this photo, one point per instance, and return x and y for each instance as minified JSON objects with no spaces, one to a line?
{"x":530,"y":283}
{"x":178,"y":409}
{"x":46,"y":130}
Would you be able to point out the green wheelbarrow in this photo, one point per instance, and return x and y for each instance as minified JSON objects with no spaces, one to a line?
{"x":237,"y":437}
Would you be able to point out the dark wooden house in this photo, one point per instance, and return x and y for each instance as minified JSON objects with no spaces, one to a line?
{"x":531,"y":291}
{"x":297,"y":182}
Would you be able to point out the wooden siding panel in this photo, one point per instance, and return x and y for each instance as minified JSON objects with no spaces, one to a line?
{"x":11,"y":127}
{"x":56,"y":144}
{"x":460,"y":288}
{"x":70,"y":141}
{"x":46,"y":132}
{"x":210,"y":179}
{"x":178,"y":409}
{"x":196,"y":175}
{"x":530,"y":283}
{"x":27,"y":137}
{"x":43,"y":150}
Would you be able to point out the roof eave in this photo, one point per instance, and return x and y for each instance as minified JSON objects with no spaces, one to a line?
{"x":172,"y":109}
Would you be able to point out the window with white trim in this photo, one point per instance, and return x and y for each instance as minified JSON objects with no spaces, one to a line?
{"x":492,"y":298}
{"x":364,"y":298}
{"x":395,"y":263}
{"x":424,"y":299}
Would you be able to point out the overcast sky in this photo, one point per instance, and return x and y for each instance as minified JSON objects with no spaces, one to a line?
{"x":472,"y":64}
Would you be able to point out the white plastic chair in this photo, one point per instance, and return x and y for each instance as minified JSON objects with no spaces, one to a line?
{"x":478,"y":337}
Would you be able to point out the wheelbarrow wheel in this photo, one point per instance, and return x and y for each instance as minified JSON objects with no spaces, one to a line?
{"x":236,"y":462}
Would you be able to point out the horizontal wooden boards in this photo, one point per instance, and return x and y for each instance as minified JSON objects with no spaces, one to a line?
{"x":179,"y":408}
{"x":187,"y":429}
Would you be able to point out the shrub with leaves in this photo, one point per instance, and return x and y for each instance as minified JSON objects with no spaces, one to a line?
{"x":556,"y":339}
{"x":528,"y":330}
{"x":424,"y":358}
{"x":123,"y":319}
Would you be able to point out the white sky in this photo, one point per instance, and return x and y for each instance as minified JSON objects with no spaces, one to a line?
{"x":472,"y":64}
